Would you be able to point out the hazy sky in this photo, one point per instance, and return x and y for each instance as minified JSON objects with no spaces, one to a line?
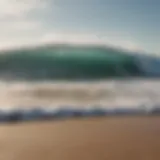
{"x":132,"y":24}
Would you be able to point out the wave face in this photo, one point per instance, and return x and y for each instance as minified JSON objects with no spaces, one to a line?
{"x":68,"y":62}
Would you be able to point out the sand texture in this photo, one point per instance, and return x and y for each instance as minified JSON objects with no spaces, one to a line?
{"x":123,"y":138}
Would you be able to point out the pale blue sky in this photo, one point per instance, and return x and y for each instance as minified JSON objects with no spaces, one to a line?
{"x":134,"y":24}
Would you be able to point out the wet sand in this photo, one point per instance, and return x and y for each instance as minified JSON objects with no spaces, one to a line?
{"x":115,"y":138}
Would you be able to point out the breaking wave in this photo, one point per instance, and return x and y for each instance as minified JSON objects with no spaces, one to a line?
{"x":69,"y":62}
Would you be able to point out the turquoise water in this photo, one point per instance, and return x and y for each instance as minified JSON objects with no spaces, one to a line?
{"x":68,"y":62}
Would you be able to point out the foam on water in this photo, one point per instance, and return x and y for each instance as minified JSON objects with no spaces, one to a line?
{"x":109,"y":93}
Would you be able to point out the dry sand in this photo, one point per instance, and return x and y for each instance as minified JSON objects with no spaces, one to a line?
{"x":123,"y":138}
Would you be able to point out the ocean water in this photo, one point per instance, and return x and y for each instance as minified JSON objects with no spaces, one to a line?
{"x":60,"y":62}
{"x":78,"y":76}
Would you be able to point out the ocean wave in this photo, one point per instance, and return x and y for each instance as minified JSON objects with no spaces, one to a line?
{"x":68,"y":62}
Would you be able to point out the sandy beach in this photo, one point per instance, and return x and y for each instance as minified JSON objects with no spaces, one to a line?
{"x":123,"y":138}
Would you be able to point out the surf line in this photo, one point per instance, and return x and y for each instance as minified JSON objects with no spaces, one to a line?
{"x":21,"y":115}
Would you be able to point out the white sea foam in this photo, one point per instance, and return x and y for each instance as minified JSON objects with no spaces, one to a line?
{"x":113,"y":93}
